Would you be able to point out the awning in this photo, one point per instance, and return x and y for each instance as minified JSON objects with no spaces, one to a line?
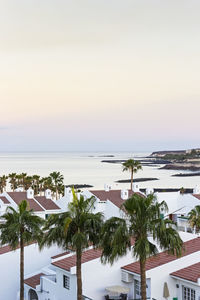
{"x":117,"y":289}
{"x":165,"y":291}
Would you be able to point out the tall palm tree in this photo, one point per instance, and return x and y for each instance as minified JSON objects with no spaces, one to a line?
{"x":13,"y":181}
{"x":142,"y":218}
{"x":75,"y":229}
{"x":27,"y":182}
{"x":57,"y":179}
{"x":133,"y":166}
{"x":194,"y":218}
{"x":20,"y":227}
{"x":3,"y":180}
{"x":36,"y":183}
{"x":46,"y":183}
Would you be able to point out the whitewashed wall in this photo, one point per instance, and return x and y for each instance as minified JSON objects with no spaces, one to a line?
{"x":9,"y":267}
{"x":160,"y":275}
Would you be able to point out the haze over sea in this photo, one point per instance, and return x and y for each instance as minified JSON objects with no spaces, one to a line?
{"x":87,"y":168}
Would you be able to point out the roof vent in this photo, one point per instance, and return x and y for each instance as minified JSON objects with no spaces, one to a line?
{"x":196,"y":190}
{"x":107,"y":187}
{"x":30,"y":193}
{"x":149,"y":191}
{"x":124,"y":194}
{"x":68,"y":193}
{"x":48,"y":194}
{"x":135,"y":188}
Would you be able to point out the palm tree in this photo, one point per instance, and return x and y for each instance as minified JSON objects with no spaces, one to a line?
{"x":75,"y":229}
{"x":20,"y":227}
{"x":27,"y":182}
{"x":57,"y":179}
{"x":36,"y":183}
{"x":13,"y":181}
{"x":46,"y":183}
{"x":133,"y":166}
{"x":142,"y":218}
{"x":1,"y":185}
{"x":3,"y":180}
{"x":194,"y":218}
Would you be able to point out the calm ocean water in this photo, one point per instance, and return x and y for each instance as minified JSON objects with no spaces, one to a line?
{"x":87,"y":168}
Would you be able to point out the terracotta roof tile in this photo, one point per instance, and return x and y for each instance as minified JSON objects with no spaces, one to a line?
{"x":60,"y":255}
{"x":6,"y":249}
{"x":20,"y":196}
{"x":69,"y":262}
{"x":113,"y":195}
{"x":48,"y":204}
{"x":196,"y":196}
{"x":34,"y":280}
{"x":191,"y":273}
{"x":164,"y":257}
{"x":4,"y":199}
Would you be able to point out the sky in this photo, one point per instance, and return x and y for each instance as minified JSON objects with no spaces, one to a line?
{"x":99,"y":75}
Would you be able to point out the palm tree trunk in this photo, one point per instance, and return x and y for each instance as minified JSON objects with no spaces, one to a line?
{"x":143,"y":279}
{"x":131,"y":180}
{"x":21,"y":269}
{"x":78,"y":274}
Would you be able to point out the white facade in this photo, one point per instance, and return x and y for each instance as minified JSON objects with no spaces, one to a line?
{"x":43,"y":213}
{"x":96,"y":277}
{"x":9,"y":272}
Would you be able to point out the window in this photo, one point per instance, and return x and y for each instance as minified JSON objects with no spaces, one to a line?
{"x":66,"y":282}
{"x":137,"y":289}
{"x":188,"y":293}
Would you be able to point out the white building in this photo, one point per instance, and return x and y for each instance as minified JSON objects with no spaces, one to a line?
{"x":41,"y":205}
{"x":181,"y":275}
{"x":34,"y":259}
{"x":57,"y":281}
{"x":179,"y":205}
{"x":108,"y":201}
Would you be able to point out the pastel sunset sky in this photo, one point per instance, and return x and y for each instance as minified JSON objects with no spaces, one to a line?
{"x":99,"y":75}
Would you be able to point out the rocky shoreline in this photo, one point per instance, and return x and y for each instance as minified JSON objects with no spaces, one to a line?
{"x":79,"y":186}
{"x":144,"y":162}
{"x":136,"y":180}
{"x":169,"y":190}
{"x":186,"y":174}
{"x":183,"y":166}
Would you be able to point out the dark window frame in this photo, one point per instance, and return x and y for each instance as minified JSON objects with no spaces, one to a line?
{"x":66,"y":282}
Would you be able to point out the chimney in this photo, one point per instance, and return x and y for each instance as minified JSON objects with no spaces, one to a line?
{"x":48,"y":194}
{"x":196,"y":190}
{"x":30,"y":193}
{"x":107,"y":187}
{"x":149,"y":191}
{"x":136,"y":188}
{"x":68,"y":193}
{"x":124,"y":194}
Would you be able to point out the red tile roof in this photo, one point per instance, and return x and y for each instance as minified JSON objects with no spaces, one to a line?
{"x":4,"y":199}
{"x":6,"y":249}
{"x":69,"y":262}
{"x":113,"y":195}
{"x":197,"y":196}
{"x":20,"y":196}
{"x":48,"y":204}
{"x":191,"y":273}
{"x":164,"y":257}
{"x":34,"y":280}
{"x":60,"y":255}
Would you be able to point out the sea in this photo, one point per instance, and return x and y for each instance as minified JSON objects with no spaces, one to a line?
{"x":88,"y":168}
